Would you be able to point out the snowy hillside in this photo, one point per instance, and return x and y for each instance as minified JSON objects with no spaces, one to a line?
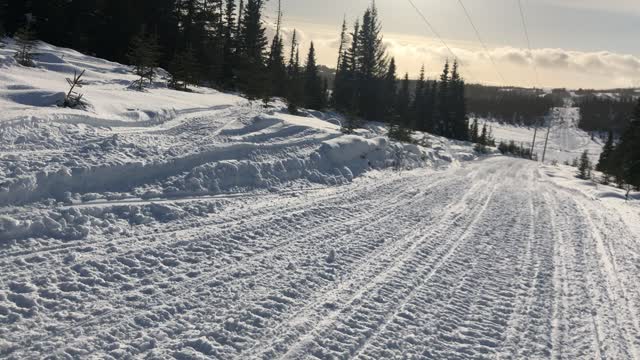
{"x":566,"y":141}
{"x":162,"y":142}
{"x":174,"y":225}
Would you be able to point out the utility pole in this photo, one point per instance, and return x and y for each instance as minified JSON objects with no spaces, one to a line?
{"x":546,"y":142}
{"x":533,"y":144}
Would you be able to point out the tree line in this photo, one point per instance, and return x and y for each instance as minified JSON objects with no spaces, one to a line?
{"x":366,"y":86}
{"x":603,"y":113}
{"x":620,"y":159}
{"x":509,"y":105}
{"x":223,"y":44}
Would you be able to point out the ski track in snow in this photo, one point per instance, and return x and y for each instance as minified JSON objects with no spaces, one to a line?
{"x":486,"y":261}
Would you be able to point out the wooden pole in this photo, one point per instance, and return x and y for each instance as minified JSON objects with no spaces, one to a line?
{"x":533,"y":144}
{"x":546,"y":142}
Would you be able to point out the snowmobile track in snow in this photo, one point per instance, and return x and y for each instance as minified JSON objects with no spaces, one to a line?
{"x":487,"y":261}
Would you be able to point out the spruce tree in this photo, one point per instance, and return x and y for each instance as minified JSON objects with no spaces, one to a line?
{"x":474,"y":135}
{"x":584,"y":166}
{"x":372,"y":65}
{"x":604,"y":164}
{"x":389,"y":89}
{"x":457,"y":106}
{"x":25,"y":42}
{"x":275,"y":64}
{"x":418,"y":106}
{"x":403,"y":101}
{"x":184,"y":70}
{"x":484,"y":137}
{"x":229,"y":47}
{"x":353,"y":75}
{"x":430,"y":97}
{"x":252,"y":77}
{"x":277,"y":69}
{"x":443,"y":122}
{"x":313,"y":96}
{"x":341,"y":97}
{"x":144,"y":55}
{"x":295,"y":87}
{"x":351,"y":89}
{"x":628,"y":151}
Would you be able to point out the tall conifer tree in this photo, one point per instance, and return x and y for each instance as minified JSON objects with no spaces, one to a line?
{"x":312,"y":82}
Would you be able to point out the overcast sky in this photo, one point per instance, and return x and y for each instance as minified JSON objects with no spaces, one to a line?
{"x":576,"y":43}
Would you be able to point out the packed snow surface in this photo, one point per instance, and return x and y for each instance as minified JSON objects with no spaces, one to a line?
{"x":171,"y":225}
{"x":496,"y":259}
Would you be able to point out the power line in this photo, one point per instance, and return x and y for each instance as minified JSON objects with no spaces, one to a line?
{"x":486,"y":50}
{"x":435,"y":32}
{"x":526,"y":34}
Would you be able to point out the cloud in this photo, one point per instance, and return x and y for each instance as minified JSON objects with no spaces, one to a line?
{"x":602,"y":62}
{"x":556,"y":67}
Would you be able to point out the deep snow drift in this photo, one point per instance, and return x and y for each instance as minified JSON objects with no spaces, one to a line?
{"x":171,"y":225}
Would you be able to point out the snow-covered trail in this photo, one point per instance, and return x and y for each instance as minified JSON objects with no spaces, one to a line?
{"x":492,"y":260}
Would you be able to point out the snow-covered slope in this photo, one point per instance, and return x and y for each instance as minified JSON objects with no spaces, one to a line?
{"x":161,"y":142}
{"x":566,"y":141}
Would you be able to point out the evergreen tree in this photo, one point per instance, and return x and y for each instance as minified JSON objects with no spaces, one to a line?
{"x":457,"y":105}
{"x":313,"y":96}
{"x":443,"y":122}
{"x":144,"y":55}
{"x":390,"y":90}
{"x":25,"y":43}
{"x":418,"y":106}
{"x":277,"y":69}
{"x":474,"y":135}
{"x":584,"y":166}
{"x":341,"y":93}
{"x":430,"y":95}
{"x":295,"y":88}
{"x":372,"y":65}
{"x":275,"y":65}
{"x":252,"y":77}
{"x":628,"y":151}
{"x":230,"y":43}
{"x":184,"y":70}
{"x":604,"y":164}
{"x":403,"y":100}
{"x":353,"y":74}
{"x":484,"y":137}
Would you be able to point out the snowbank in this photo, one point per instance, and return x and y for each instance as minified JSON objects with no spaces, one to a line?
{"x":164,"y":143}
